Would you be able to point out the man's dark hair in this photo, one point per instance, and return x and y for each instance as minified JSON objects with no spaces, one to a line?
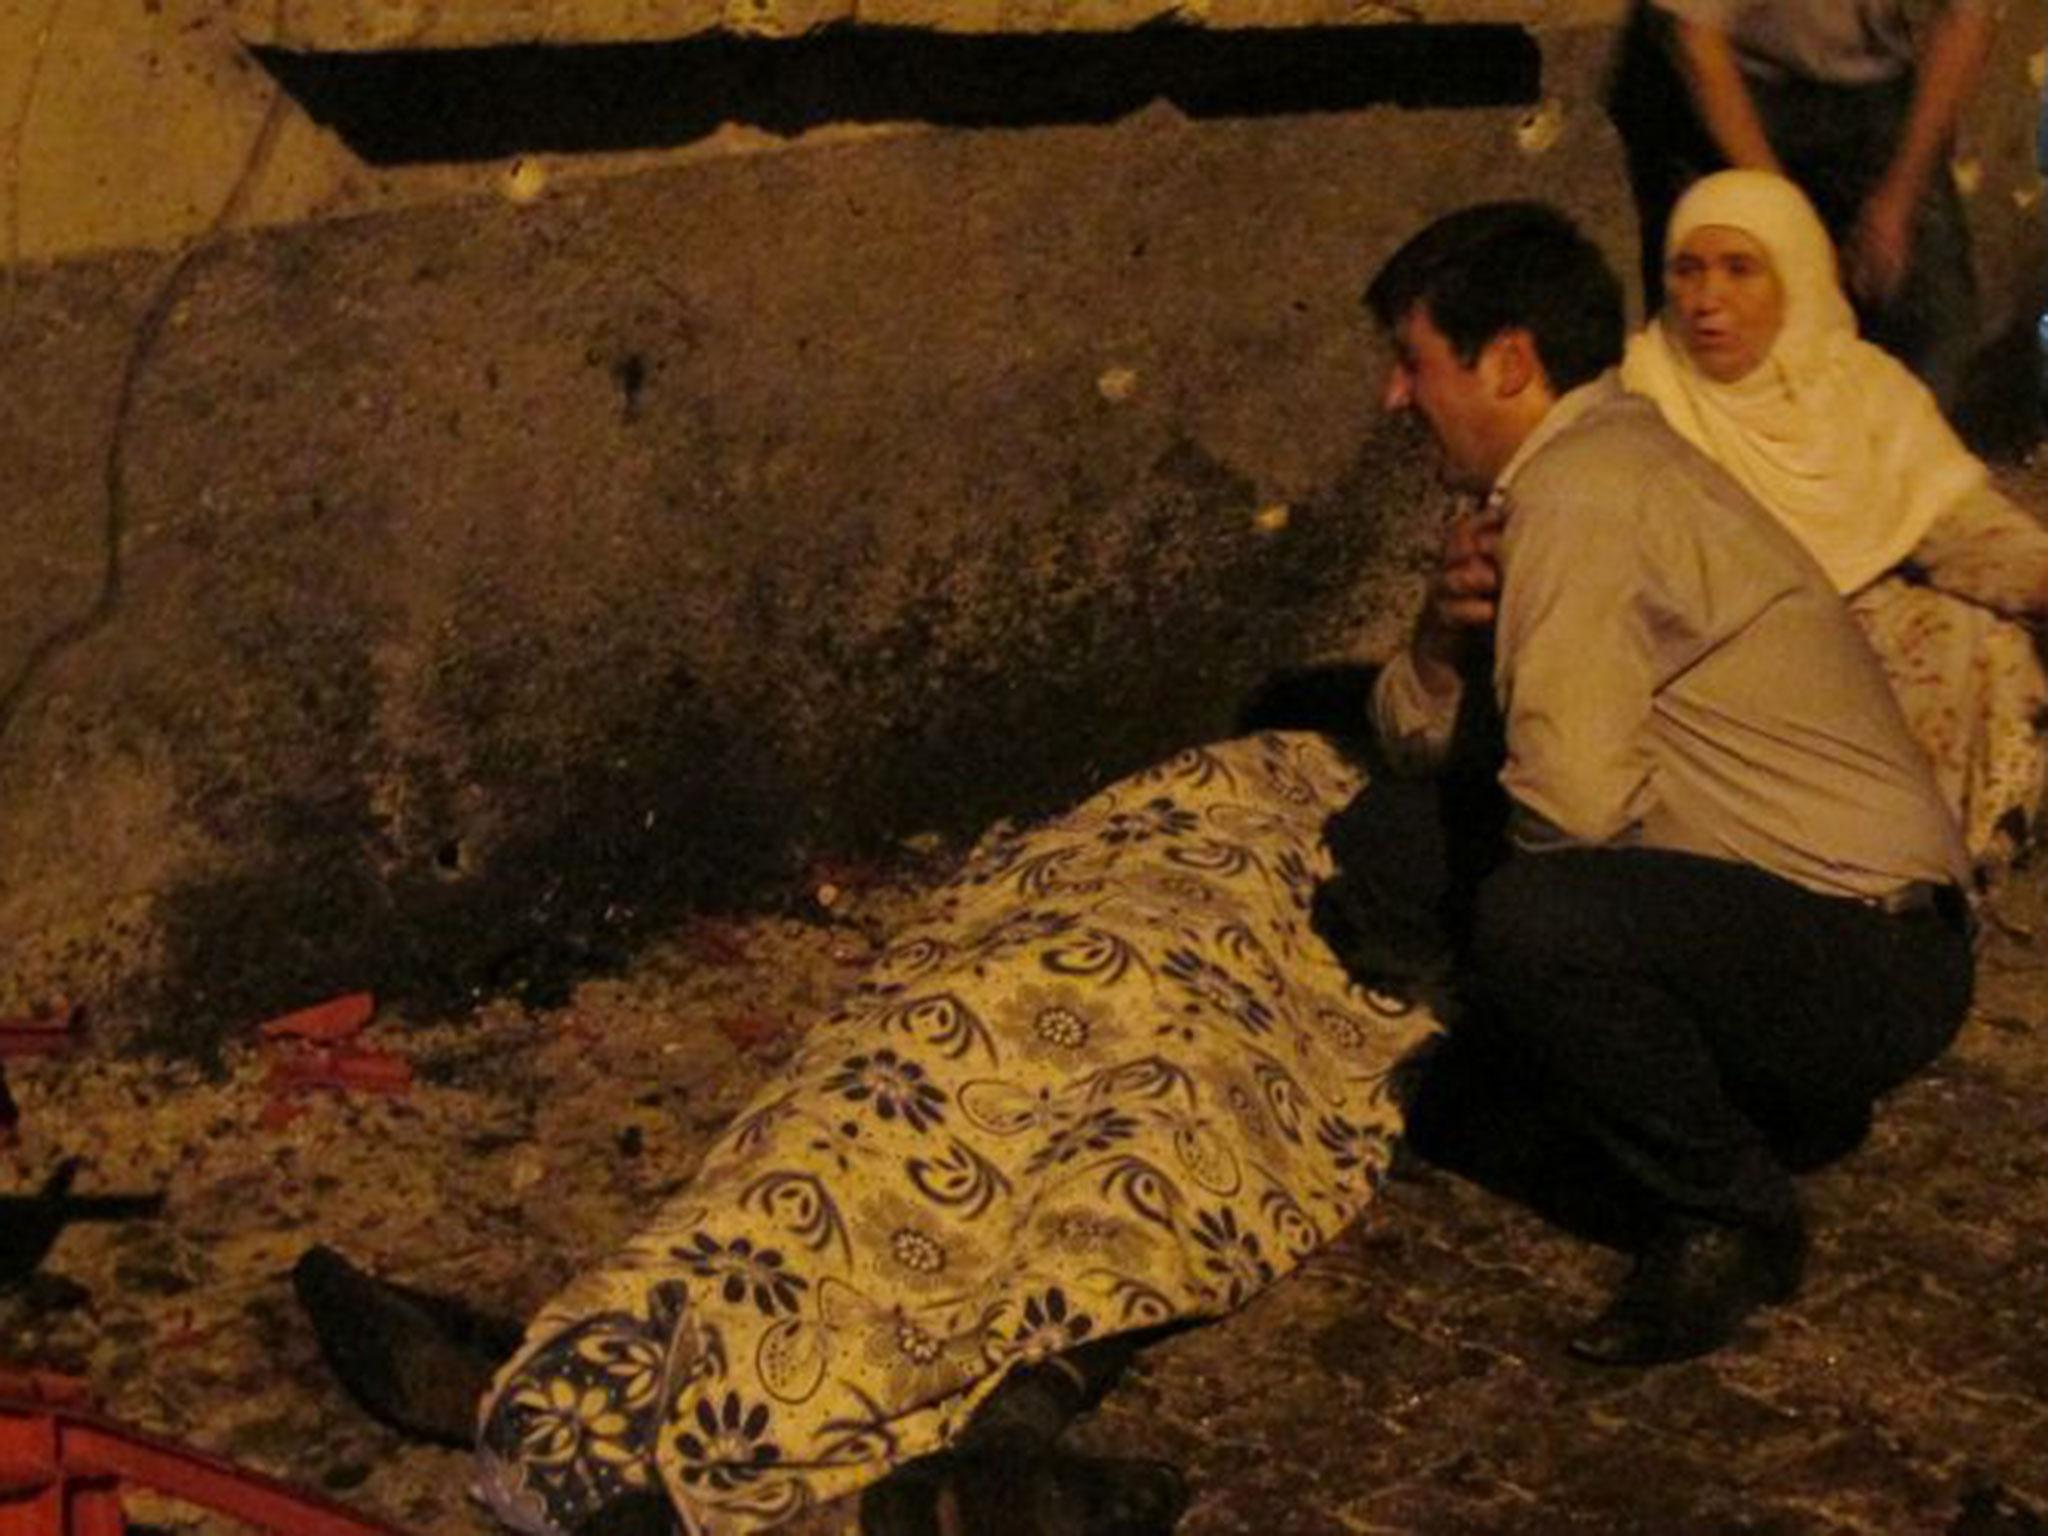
{"x":1506,"y":266}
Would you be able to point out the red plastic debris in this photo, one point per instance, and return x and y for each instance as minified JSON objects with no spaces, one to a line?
{"x":339,"y":1018}
{"x":38,"y":1034}
{"x":359,"y":1069}
{"x":280,"y":1111}
{"x":315,"y":1049}
{"x":33,"y":1384}
{"x":62,"y":1470}
{"x":345,"y":1069}
{"x":35,"y":1034}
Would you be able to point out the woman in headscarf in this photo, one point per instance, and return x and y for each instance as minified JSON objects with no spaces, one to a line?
{"x":1755,"y":359}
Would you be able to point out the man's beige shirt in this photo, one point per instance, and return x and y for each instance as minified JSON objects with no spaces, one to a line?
{"x":1675,"y":672}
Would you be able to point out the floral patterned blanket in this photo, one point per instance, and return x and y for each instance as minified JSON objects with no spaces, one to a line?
{"x":1113,"y":1081}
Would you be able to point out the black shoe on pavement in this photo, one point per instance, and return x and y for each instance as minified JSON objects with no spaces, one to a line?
{"x":420,"y":1363}
{"x":1692,"y":1286}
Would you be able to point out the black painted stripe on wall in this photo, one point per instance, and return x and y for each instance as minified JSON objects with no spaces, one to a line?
{"x":485,"y":103}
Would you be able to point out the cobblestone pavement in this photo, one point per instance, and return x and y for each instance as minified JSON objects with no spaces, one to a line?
{"x":1409,"y":1380}
{"x":1412,"y":1380}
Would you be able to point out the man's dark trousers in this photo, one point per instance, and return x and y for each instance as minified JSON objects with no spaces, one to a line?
{"x":1671,"y":1006}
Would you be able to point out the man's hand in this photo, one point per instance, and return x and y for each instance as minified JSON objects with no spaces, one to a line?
{"x":1881,"y":246}
{"x":1463,"y":597}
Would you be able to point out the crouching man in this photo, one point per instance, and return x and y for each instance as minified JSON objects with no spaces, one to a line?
{"x":1730,"y":901}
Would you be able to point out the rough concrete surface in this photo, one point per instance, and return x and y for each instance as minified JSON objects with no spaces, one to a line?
{"x":148,"y":125}
{"x":1410,"y":1381}
{"x":492,"y":583}
{"x":443,"y":600}
{"x":349,"y":25}
{"x":124,"y":124}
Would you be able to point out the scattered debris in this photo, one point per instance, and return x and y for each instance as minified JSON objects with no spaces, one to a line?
{"x":339,"y":1018}
{"x":533,"y":1138}
{"x":358,"y":1069}
{"x":315,"y":1049}
{"x":1116,"y":385}
{"x":38,"y":1034}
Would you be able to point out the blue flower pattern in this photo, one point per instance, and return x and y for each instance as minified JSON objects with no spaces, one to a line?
{"x":756,"y":1351}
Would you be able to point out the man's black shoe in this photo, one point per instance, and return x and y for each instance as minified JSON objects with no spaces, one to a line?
{"x":1691,"y":1288}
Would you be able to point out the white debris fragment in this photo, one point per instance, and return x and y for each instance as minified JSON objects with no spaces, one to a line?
{"x":527,"y":1169}
{"x":1272,"y":518}
{"x":1117,"y":385}
{"x":1968,"y":171}
{"x":526,"y":180}
{"x":1542,"y":128}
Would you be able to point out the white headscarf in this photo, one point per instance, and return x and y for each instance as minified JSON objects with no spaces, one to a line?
{"x":1835,"y":437}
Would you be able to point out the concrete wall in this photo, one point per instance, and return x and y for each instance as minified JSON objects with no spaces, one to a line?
{"x":441,"y":599}
{"x":144,"y":123}
{"x":338,"y":25}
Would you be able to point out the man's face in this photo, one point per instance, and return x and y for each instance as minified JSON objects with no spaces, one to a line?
{"x":1457,"y":400}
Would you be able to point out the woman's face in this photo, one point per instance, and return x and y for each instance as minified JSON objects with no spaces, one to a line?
{"x":1723,"y":298}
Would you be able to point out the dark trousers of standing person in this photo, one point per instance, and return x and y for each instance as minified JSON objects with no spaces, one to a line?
{"x":1837,"y":142}
{"x":1672,"y":1007}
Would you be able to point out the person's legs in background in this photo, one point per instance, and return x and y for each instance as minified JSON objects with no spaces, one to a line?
{"x":1836,"y":142}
